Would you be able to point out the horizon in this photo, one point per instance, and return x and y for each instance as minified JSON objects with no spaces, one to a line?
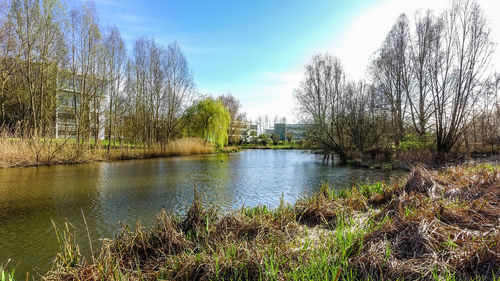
{"x":253,"y":51}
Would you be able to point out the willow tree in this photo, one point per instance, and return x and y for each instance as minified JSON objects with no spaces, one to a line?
{"x":208,"y":119}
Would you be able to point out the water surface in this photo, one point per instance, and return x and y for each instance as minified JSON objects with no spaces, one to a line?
{"x":129,"y":191}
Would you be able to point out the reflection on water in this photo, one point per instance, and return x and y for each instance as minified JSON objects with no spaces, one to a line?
{"x":129,"y":191}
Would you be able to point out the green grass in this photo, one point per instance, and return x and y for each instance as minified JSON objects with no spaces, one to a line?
{"x":6,"y":274}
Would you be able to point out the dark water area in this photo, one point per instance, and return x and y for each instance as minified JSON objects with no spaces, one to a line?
{"x":137,"y":190}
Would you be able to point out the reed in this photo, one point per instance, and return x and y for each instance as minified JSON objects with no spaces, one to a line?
{"x":6,"y":275}
{"x":17,"y":151}
{"x":180,"y":147}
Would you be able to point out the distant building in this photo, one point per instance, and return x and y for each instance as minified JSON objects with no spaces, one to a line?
{"x":298,"y":130}
{"x":68,"y":94}
{"x":243,"y":130}
{"x":254,"y":128}
{"x":68,"y":98}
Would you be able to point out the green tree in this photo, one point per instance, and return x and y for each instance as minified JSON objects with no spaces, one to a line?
{"x":264,"y":138}
{"x":253,"y":137}
{"x":275,"y":138}
{"x":208,"y":119}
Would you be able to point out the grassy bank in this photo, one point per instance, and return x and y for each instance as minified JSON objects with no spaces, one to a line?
{"x":431,"y":226}
{"x":15,"y":152}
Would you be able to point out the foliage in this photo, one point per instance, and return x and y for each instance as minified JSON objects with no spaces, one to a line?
{"x":415,"y":142}
{"x":275,"y":138}
{"x":209,"y":120}
{"x":264,"y":139}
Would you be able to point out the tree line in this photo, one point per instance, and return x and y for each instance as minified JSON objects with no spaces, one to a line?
{"x":60,"y":65}
{"x":430,"y":84}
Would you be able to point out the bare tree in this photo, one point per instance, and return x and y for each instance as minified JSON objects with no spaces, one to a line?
{"x":483,"y":130}
{"x":40,"y":50}
{"x":161,"y":86}
{"x":392,"y":76}
{"x":8,"y":57}
{"x":320,"y":103}
{"x":364,"y":121}
{"x":419,"y":99}
{"x":85,"y":45}
{"x":233,"y":105}
{"x":180,"y":88}
{"x":116,"y":52}
{"x":50,"y":78}
{"x":461,"y":52}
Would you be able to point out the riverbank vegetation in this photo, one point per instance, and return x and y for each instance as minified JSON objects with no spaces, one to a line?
{"x":431,"y":91}
{"x":6,"y":275}
{"x":22,"y":152}
{"x":431,"y":226}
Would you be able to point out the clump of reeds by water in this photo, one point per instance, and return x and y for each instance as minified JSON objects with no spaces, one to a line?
{"x":180,"y":147}
{"x":6,"y":275}
{"x":17,"y":151}
{"x":22,"y":151}
{"x":432,"y":226}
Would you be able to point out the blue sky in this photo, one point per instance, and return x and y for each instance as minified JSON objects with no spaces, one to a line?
{"x":257,"y":49}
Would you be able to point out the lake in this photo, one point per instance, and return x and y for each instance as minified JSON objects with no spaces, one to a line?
{"x":129,"y":191}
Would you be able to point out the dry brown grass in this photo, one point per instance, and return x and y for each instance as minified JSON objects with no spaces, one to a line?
{"x":180,"y":147}
{"x":35,"y":151}
{"x":320,"y":209}
{"x":437,"y":224}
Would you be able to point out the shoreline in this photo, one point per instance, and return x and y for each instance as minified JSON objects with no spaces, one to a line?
{"x":431,"y":224}
{"x":120,"y":154}
{"x":126,"y":158}
{"x":181,"y":147}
